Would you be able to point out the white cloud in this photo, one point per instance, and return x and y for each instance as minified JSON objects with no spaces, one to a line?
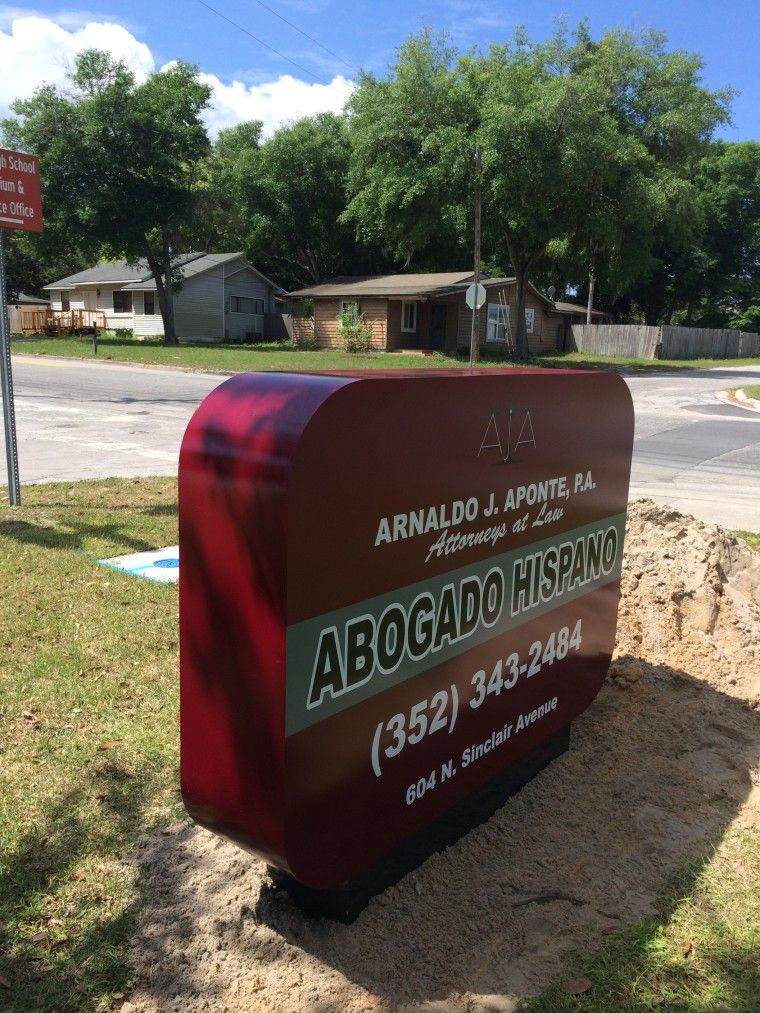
{"x":37,"y":50}
{"x":272,"y":102}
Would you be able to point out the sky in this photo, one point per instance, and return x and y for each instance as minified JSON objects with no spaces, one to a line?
{"x":277,"y":60}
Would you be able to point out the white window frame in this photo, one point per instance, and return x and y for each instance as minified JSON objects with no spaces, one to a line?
{"x":412,"y":329}
{"x":530,"y":316}
{"x":65,"y":300}
{"x":496,"y":322}
{"x":351,"y":309}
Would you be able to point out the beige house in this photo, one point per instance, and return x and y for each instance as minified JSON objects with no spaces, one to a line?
{"x":222,"y":297}
{"x":429,"y":312}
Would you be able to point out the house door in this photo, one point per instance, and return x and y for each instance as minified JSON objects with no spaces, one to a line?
{"x":438,"y":325}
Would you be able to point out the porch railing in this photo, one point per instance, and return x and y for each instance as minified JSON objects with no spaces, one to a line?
{"x":46,"y":321}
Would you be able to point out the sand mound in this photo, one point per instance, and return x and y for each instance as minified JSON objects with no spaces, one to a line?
{"x":690,"y":600}
{"x":660,"y":765}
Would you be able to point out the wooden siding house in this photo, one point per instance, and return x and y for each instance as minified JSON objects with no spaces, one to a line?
{"x":428,"y":312}
{"x":222,"y":298}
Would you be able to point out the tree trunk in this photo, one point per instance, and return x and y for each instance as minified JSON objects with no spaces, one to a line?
{"x":521,"y":332}
{"x":590,"y":303}
{"x":161,"y":270}
{"x":521,"y":266}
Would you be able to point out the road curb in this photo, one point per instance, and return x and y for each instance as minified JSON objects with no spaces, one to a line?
{"x":197,"y":370}
{"x":737,"y":399}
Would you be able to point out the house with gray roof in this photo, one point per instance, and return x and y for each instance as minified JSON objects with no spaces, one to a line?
{"x":222,"y":298}
{"x":429,"y":312}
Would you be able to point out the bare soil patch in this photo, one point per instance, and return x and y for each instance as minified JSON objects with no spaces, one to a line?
{"x":662,"y":763}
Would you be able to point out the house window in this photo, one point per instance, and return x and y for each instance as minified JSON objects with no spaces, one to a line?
{"x":350,"y":310}
{"x":409,"y":317}
{"x":65,"y":302}
{"x":149,"y":304}
{"x":122,"y":302}
{"x":529,"y":320}
{"x":497,"y":322}
{"x":242,"y":304}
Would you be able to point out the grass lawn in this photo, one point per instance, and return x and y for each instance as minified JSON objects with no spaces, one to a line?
{"x":751,"y":538}
{"x":88,"y":710}
{"x":282,"y":356}
{"x":88,"y":705}
{"x":698,"y":954}
{"x":752,"y":391}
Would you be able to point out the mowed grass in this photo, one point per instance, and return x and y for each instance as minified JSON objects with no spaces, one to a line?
{"x":88,"y":711}
{"x":699,"y":954}
{"x":284,"y":357}
{"x":88,"y":764}
{"x":752,"y":391}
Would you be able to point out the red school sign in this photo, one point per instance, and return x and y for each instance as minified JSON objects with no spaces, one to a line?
{"x":394,"y":586}
{"x":20,"y":196}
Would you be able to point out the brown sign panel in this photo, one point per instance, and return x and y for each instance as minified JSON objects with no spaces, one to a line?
{"x":393,"y":587}
{"x":20,"y":197}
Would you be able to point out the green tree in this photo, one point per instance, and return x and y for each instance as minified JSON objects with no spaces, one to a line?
{"x":559,"y":181}
{"x":30,"y":263}
{"x":285,"y":196}
{"x":659,"y":101}
{"x":220,"y":194}
{"x":717,"y":280}
{"x":410,"y":178}
{"x":119,"y":163}
{"x":587,"y":152}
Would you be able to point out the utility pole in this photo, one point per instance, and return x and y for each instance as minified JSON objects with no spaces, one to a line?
{"x":475,"y":330}
{"x":590,"y":303}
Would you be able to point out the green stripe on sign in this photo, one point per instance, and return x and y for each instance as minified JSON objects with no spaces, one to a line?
{"x":342,"y":658}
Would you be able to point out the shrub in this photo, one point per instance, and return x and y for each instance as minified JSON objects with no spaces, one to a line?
{"x":123,"y":332}
{"x":355,"y":333}
{"x":306,"y":342}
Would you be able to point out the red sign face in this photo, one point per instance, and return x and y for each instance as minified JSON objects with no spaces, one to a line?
{"x":20,"y":199}
{"x":393,"y":586}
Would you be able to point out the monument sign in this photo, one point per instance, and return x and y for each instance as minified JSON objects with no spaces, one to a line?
{"x":397,"y":591}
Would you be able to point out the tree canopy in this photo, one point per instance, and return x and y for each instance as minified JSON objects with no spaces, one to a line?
{"x":587,"y":152}
{"x":285,"y":196}
{"x":599,"y":170}
{"x":118,"y":162}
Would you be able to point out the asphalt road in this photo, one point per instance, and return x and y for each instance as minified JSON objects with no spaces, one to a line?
{"x":80,"y":420}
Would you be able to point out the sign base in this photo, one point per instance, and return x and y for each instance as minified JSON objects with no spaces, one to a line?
{"x":345,"y":903}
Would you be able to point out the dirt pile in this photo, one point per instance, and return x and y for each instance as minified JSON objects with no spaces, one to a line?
{"x":659,"y":766}
{"x":690,"y":599}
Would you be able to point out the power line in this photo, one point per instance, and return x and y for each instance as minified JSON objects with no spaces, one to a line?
{"x":262,"y":43}
{"x":311,"y":38}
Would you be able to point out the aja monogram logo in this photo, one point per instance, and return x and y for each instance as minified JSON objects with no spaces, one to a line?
{"x":505,"y":433}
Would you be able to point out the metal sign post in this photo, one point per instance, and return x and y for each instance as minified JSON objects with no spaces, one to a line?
{"x":20,"y":209}
{"x":475,"y":296}
{"x":6,"y":386}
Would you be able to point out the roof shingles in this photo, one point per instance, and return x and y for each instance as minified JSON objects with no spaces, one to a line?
{"x":134,"y":276}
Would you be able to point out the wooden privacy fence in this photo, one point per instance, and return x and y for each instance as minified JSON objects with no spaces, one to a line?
{"x":641,"y":341}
